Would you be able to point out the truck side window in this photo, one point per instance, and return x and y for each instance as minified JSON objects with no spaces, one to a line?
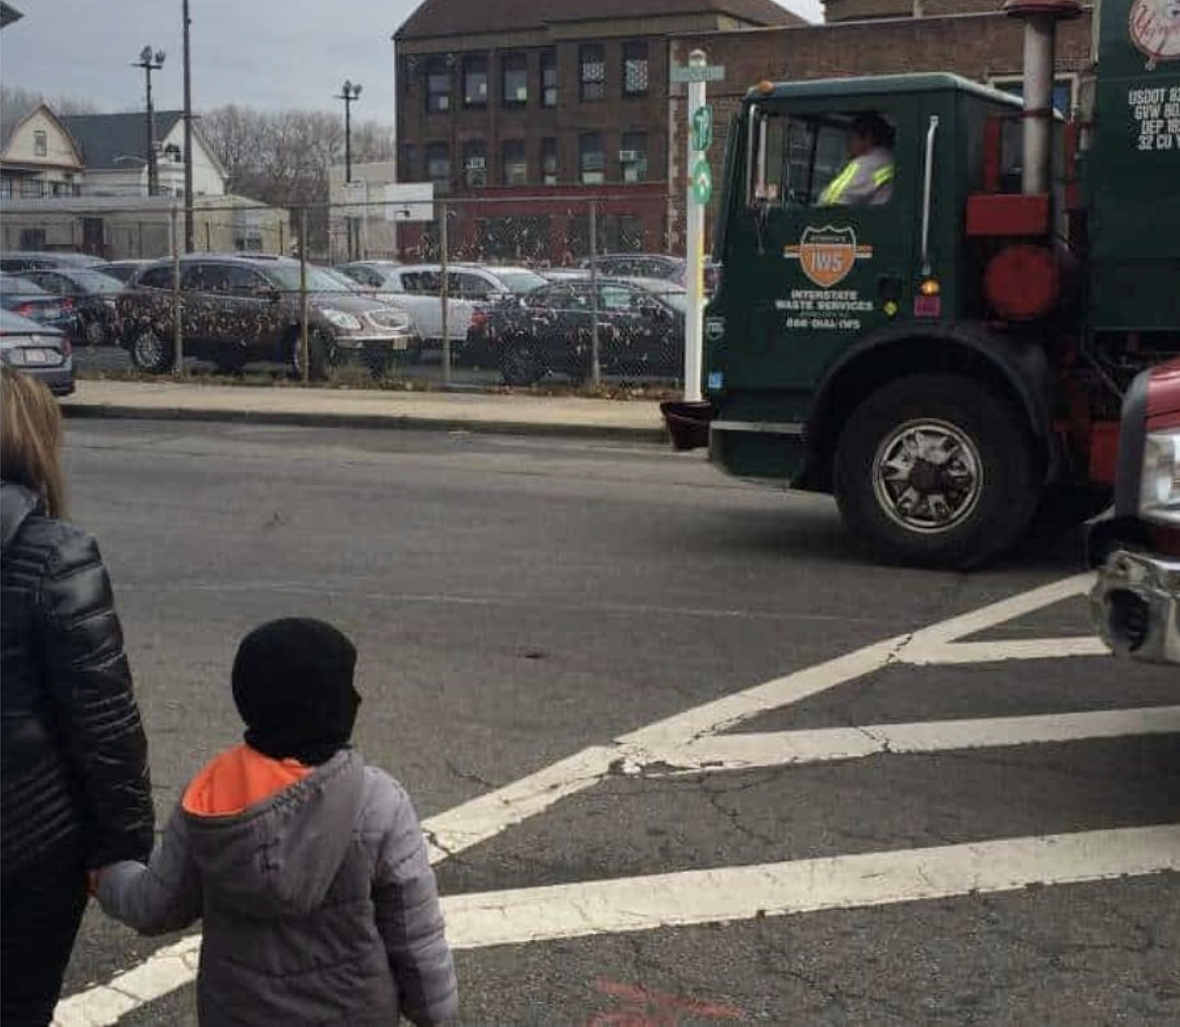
{"x":821,"y":160}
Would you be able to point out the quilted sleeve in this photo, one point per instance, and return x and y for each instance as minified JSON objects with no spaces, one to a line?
{"x":94,"y":710}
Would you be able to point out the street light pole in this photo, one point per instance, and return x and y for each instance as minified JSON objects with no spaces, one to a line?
{"x":151,"y":61}
{"x":189,"y":243}
{"x":349,"y":93}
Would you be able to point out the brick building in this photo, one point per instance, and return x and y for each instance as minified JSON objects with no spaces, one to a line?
{"x":514,"y":98}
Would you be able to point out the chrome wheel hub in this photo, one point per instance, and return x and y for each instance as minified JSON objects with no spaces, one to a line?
{"x":927,"y":476}
{"x":149,"y":351}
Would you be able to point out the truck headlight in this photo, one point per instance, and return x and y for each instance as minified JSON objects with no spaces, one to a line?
{"x":1159,"y":489}
{"x":341,"y":319}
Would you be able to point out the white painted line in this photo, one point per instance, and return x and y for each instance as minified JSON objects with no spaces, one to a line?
{"x":826,"y":745}
{"x":168,"y":968}
{"x":730,"y":894}
{"x":996,"y":652}
{"x":1005,"y":610}
{"x":486,"y":816}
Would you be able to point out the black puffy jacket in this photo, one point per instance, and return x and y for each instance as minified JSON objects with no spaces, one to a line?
{"x":73,"y":757}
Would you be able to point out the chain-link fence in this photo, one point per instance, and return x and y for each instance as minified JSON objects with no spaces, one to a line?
{"x":519,"y":291}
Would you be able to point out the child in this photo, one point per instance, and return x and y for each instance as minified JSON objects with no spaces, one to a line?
{"x":308,"y":868}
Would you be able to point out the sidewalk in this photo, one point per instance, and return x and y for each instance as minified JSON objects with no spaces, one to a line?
{"x":369,"y":408}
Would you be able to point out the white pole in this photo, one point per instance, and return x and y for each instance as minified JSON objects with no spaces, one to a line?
{"x":695,"y":224}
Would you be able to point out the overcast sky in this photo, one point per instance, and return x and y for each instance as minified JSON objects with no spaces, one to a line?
{"x":266,"y":53}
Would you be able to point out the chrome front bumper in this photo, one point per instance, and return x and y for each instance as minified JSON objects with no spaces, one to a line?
{"x":1135,"y":606}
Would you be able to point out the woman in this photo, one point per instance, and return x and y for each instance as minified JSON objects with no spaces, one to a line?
{"x":74,"y":788}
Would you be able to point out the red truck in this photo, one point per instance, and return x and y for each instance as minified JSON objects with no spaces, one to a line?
{"x":1136,"y":602}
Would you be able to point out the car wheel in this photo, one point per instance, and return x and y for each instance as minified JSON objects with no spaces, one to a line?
{"x":937,"y":470}
{"x":150,"y":351}
{"x":94,"y":331}
{"x":520,"y":364}
{"x":321,"y":349}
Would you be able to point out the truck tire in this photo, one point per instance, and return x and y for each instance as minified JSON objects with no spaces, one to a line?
{"x":937,"y":470}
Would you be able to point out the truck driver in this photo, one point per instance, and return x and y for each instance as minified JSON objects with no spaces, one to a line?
{"x":867,"y":179}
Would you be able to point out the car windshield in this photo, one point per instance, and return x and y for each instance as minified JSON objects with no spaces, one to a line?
{"x":95,"y":281}
{"x":14,"y":286}
{"x":319,"y":279}
{"x":678,"y":301}
{"x":520,"y":282}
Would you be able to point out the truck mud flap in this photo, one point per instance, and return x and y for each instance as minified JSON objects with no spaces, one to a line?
{"x":688,"y":422}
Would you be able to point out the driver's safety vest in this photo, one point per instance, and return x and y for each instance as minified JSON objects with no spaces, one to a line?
{"x":865,"y":181}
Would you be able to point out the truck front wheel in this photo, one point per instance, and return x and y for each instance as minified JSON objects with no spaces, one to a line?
{"x":937,"y":471}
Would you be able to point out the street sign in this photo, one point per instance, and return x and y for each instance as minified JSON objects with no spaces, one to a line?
{"x":702,"y":127}
{"x":698,"y":73}
{"x":702,"y":181}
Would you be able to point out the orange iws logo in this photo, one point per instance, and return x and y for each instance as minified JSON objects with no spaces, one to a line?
{"x":827,"y":254}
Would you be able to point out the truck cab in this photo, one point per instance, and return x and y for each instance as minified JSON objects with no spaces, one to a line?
{"x":938,"y":325}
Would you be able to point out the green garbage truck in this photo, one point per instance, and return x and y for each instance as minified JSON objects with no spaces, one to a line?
{"x":934,"y":295}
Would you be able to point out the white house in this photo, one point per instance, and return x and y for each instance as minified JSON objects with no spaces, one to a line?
{"x":40,"y":158}
{"x":115,"y":153}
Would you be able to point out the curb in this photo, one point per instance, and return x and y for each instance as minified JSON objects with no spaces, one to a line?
{"x":395,"y":422}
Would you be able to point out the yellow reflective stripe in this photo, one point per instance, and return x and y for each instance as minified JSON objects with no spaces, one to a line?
{"x":883,"y":175}
{"x":836,"y":189}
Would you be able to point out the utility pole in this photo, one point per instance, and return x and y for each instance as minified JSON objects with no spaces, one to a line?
{"x":151,"y":61}
{"x":189,"y":243}
{"x":350,"y":92}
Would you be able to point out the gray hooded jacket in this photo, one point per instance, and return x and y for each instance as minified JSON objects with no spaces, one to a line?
{"x":319,"y":904}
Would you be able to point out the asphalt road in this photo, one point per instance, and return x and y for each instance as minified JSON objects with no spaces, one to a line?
{"x":519,"y":601}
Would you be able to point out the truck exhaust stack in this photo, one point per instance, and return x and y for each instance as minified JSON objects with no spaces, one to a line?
{"x":1040,"y":19}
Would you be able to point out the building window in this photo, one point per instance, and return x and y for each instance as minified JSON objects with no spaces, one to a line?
{"x":438,"y":164}
{"x":548,"y":78}
{"x":410,"y":73}
{"x":40,"y":143}
{"x":475,"y":163}
{"x":1063,"y":90}
{"x":633,"y":157}
{"x":438,"y":84}
{"x":591,"y":159}
{"x":32,"y":238}
{"x":475,"y":81}
{"x":635,"y":71}
{"x":408,"y":163}
{"x":514,"y":80}
{"x":549,"y":161}
{"x":592,"y":70}
{"x":514,"y":164}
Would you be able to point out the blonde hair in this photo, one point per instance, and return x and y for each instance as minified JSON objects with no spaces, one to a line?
{"x":30,"y":439}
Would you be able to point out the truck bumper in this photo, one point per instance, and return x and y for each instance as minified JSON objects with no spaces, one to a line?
{"x":1136,"y":604}
{"x":688,"y":422}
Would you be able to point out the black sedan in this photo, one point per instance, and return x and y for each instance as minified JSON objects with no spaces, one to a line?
{"x":640,"y":332}
{"x":36,"y":350}
{"x":92,"y":293}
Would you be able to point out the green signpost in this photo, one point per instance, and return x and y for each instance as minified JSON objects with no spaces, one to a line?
{"x":702,"y":181}
{"x":702,"y":127}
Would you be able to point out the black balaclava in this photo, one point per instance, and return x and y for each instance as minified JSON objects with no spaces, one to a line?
{"x":292,"y":683}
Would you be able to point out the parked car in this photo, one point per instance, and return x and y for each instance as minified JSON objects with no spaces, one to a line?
{"x":38,"y":350}
{"x":29,"y":300}
{"x":639,"y":265}
{"x":1135,"y":604}
{"x":235,"y":309}
{"x":122,"y":269}
{"x":93,"y":294}
{"x":417,"y":288}
{"x":640,"y":330}
{"x":27,"y":260}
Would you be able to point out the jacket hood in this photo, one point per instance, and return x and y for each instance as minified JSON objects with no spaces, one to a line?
{"x":279,"y":855}
{"x":17,"y":504}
